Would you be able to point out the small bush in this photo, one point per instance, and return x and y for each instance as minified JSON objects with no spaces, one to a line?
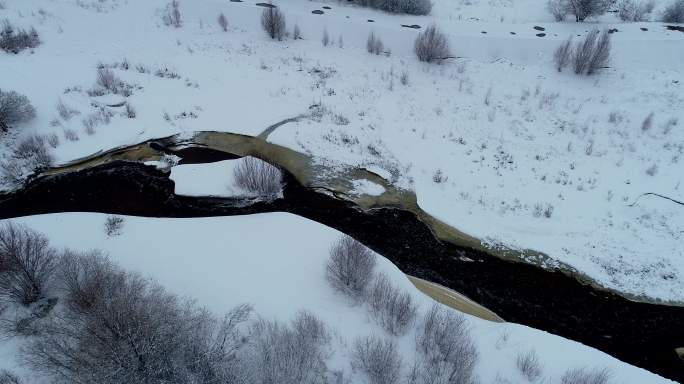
{"x":586,"y":376}
{"x":647,"y":123}
{"x":106,"y":79}
{"x":130,"y":111}
{"x":223,"y":22}
{"x":26,"y":264}
{"x":591,"y":54}
{"x":350,"y":268}
{"x":448,"y":354}
{"x":64,"y":111}
{"x":15,"y":40}
{"x":287,"y":354}
{"x":113,"y":225}
{"x":70,"y":134}
{"x":404,"y":78}
{"x":374,"y":44}
{"x":297,"y":33}
{"x":34,"y":152}
{"x":326,"y":38}
{"x":378,"y":359}
{"x":14,"y":109}
{"x":172,"y":15}
{"x":259,"y":177}
{"x":528,"y":364}
{"x":394,"y":310}
{"x":562,"y":54}
{"x":431,"y":45}
{"x":273,"y":22}
{"x":53,"y":140}
{"x":674,"y":13}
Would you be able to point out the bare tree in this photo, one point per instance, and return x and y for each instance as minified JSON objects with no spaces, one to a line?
{"x":118,"y":327}
{"x":562,"y":54}
{"x":674,"y":13}
{"x":374,"y":44}
{"x":273,"y":22}
{"x":287,"y":354}
{"x":634,"y":10}
{"x":557,"y":8}
{"x":394,"y":310}
{"x":259,"y":177}
{"x":172,"y":15}
{"x":223,"y":22}
{"x":378,"y":359}
{"x":586,"y":376}
{"x":26,"y":264}
{"x":447,"y":352}
{"x":528,"y":364}
{"x":431,"y":45}
{"x":583,"y":9}
{"x":14,"y":109}
{"x":297,"y":33}
{"x":350,"y":267}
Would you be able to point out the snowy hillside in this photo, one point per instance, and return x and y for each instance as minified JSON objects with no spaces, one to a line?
{"x":493,"y":140}
{"x":223,"y":262}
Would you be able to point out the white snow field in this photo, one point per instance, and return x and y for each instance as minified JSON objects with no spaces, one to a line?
{"x":277,"y":262}
{"x":496,"y":142}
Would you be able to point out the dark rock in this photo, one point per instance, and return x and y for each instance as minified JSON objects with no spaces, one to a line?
{"x":674,"y":28}
{"x":484,"y":32}
{"x":613,"y":30}
{"x":326,"y":7}
{"x":644,"y":29}
{"x":513,"y":33}
{"x":541,"y":34}
{"x":266,"y":5}
{"x":413,"y":26}
{"x":371,"y":21}
{"x":538,"y":28}
{"x":317,"y":12}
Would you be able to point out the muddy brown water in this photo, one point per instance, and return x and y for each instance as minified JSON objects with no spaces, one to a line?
{"x":642,"y":334}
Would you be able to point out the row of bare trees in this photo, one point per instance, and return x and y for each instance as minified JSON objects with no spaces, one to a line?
{"x":627,"y":10}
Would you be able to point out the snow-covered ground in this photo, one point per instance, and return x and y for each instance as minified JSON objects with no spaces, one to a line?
{"x":496,"y":143}
{"x":277,"y":262}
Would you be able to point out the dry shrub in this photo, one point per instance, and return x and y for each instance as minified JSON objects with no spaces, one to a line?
{"x":350,"y":267}
{"x":258,"y":177}
{"x":431,"y":45}
{"x":393,"y":309}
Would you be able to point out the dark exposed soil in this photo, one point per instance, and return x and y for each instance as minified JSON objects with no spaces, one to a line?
{"x":642,"y":334}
